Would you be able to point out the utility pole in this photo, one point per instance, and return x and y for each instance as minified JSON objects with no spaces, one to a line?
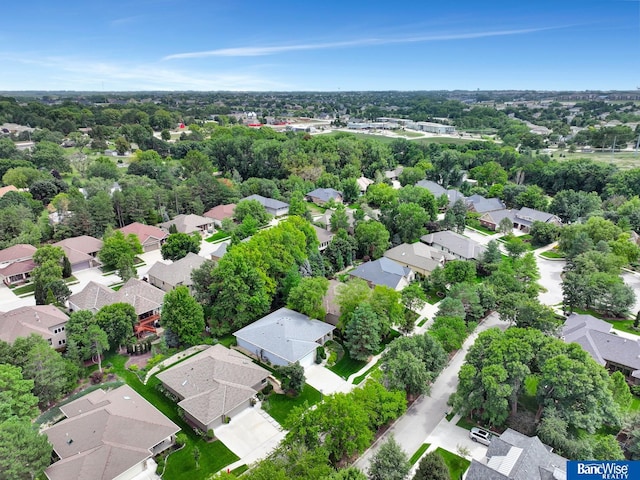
{"x":613,"y":149}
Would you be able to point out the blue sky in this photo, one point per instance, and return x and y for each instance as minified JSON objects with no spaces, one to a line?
{"x":325,"y":45}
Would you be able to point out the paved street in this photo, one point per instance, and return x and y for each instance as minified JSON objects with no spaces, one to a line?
{"x":413,"y":428}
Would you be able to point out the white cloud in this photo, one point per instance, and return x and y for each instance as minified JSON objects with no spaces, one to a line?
{"x":272,"y":50}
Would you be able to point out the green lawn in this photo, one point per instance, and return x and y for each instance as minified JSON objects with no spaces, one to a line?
{"x":418,"y":453}
{"x":457,"y":465}
{"x":466,"y":423}
{"x":635,"y":404}
{"x":482,"y":230}
{"x":407,"y":133}
{"x":360,"y":378}
{"x":347,"y":366}
{"x":228,"y":341}
{"x":622,"y":160}
{"x":25,"y":289}
{"x":552,"y":254}
{"x":388,"y":139}
{"x":217,"y":237}
{"x":180,"y":465}
{"x":279,"y":406}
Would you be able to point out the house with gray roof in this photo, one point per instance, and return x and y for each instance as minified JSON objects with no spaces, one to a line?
{"x":459,"y":246}
{"x":284,"y":337}
{"x":419,"y":257}
{"x":363,"y":184}
{"x":522,"y":219}
{"x":384,"y":271}
{"x":47,"y":321}
{"x":272,"y":206}
{"x":479,"y":204}
{"x":109,"y":435}
{"x":214,"y":384}
{"x":514,"y":456}
{"x":612,"y":351}
{"x":438,"y":190}
{"x":324,"y":237}
{"x":166,"y":277}
{"x":320,"y":196}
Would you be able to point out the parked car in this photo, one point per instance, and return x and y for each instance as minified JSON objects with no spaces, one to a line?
{"x":481,"y":435}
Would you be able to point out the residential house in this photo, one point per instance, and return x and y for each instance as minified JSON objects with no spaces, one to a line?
{"x":394,"y":174}
{"x":166,"y":277}
{"x":614,"y":352}
{"x":459,"y":246}
{"x":46,"y":321}
{"x":324,"y":237}
{"x":479,"y":204}
{"x":384,"y":271}
{"x":320,"y":196}
{"x":108,"y":435}
{"x":514,"y":456}
{"x":151,"y":238}
{"x":215,"y":384}
{"x":272,"y":206}
{"x":419,"y":257}
{"x":363,"y":184}
{"x":522,"y":219}
{"x":189,"y":224}
{"x":438,"y":190}
{"x":284,"y":337}
{"x":81,"y":251}
{"x":219,"y":213}
{"x":146,"y":300}
{"x":16,"y":263}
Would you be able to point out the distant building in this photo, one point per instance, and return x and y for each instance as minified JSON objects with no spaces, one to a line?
{"x":82,"y":251}
{"x":272,"y":206}
{"x":384,"y":271}
{"x":431,"y":127}
{"x":320,"y":196}
{"x":419,"y":257}
{"x":522,"y":219}
{"x":16,"y":263}
{"x":219,"y":213}
{"x":438,"y":190}
{"x":190,"y":223}
{"x":151,"y":238}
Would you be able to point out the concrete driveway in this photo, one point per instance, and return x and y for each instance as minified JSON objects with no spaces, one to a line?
{"x":449,"y":436}
{"x":251,"y":435}
{"x":325,"y":381}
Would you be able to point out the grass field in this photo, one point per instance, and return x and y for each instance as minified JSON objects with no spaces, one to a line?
{"x":457,"y":465}
{"x":387,"y":139}
{"x":279,"y":406}
{"x":552,"y":254}
{"x":347,"y":366}
{"x":623,"y":160}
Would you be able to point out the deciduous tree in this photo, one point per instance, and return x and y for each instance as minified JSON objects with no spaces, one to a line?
{"x":178,"y":245}
{"x":390,"y":462}
{"x":183,"y":315}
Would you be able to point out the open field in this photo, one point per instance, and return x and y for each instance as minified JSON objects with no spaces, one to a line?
{"x":623,"y":160}
{"x":389,"y":139}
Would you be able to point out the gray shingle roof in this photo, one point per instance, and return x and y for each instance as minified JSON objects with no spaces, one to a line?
{"x":23,"y":321}
{"x":187,"y":223}
{"x":178,"y":272}
{"x":593,"y":335}
{"x":518,"y":457}
{"x":142,"y":296}
{"x":288,"y":334}
{"x":324,"y":194}
{"x":417,"y":255}
{"x":481,"y":204}
{"x":213,"y":382}
{"x":105,"y":434}
{"x":437,"y":190}
{"x":268,"y":202}
{"x":455,"y":243}
{"x":381,"y":272}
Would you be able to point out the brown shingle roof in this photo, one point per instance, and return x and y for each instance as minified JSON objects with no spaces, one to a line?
{"x":17,"y":252}
{"x":105,"y":434}
{"x":23,"y":321}
{"x":142,"y":296}
{"x":147,"y":234}
{"x":79,"y":249}
{"x":221,"y":212}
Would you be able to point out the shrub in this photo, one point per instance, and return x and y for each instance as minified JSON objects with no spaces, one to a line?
{"x":181,"y":439}
{"x":97,"y":377}
{"x":210,"y":434}
{"x":133,"y":367}
{"x":268,"y":389}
